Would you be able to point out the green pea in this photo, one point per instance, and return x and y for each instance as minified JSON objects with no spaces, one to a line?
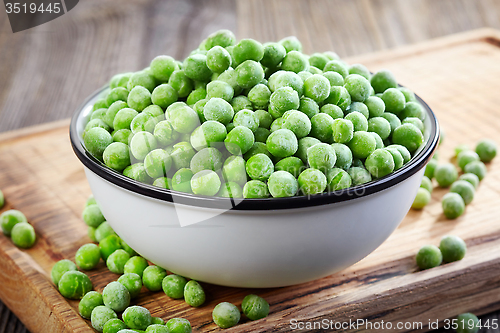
{"x":194,"y":295}
{"x":112,"y":111}
{"x":249,"y":73}
{"x":332,"y":110}
{"x":100,"y":104}
{"x":414,"y":121}
{"x":291,"y":43}
{"x":100,"y":316}
{"x":282,"y":184}
{"x":88,"y":256}
{"x":282,"y":143}
{"x":133,"y":283}
{"x":116,"y":156}
{"x":264,"y":118}
{"x":152,"y":277}
{"x":162,"y":67}
{"x":109,"y":245}
{"x":297,"y":122}
{"x":182,"y":117}
{"x":465,"y":189}
{"x":255,"y":189}
{"x":221,"y":37}
{"x":139,"y":98}
{"x":292,"y":164}
{"x":230,"y":190}
{"x":394,"y":100}
{"x":303,"y":145}
{"x":471,"y":178}
{"x":393,"y":120}
{"x":380,"y":163}
{"x":359,"y":175}
{"x":358,"y":87}
{"x":282,"y":79}
{"x":429,"y":256}
{"x":409,"y":95}
{"x":234,"y":170}
{"x":312,"y":181}
{"x":337,"y":66}
{"x":61,"y":267}
{"x":413,"y":109}
{"x":195,"y":68}
{"x":136,"y":265}
{"x":181,"y":180}
{"x":239,"y":140}
{"x":246,"y":118}
{"x":383,"y":80}
{"x":157,"y":163}
{"x":173,"y":286}
{"x":453,"y":205}
{"x":360,"y":69}
{"x":317,"y":87}
{"x":2,"y":200}
{"x":181,"y":83}
{"x":116,"y":296}
{"x":273,"y":55}
{"x":334,"y":78}
{"x":322,"y":127}
{"x":157,"y":321}
{"x":137,"y":172}
{"x":259,"y":167}
{"x":282,"y":100}
{"x":205,"y":182}
{"x":156,"y":328}
{"x":226,"y":315}
{"x":487,"y":150}
{"x":338,"y":179}
{"x":165,"y":133}
{"x":380,"y":126}
{"x":117,"y":94}
{"x":137,"y":317}
{"x":358,"y":120}
{"x":141,"y":144}
{"x":219,"y":110}
{"x":409,"y":136}
{"x":453,"y":248}
{"x":74,"y":284}
{"x":376,"y":106}
{"x":321,"y":156}
{"x":142,"y":79}
{"x":114,"y":325}
{"x":318,"y":60}
{"x":218,"y":59}
{"x":255,"y":307}
{"x":445,"y":174}
{"x":123,"y":118}
{"x":295,"y":61}
{"x":478,"y":168}
{"x":117,"y":260}
{"x":96,"y":140}
{"x":422,"y":198}
{"x":259,"y":95}
{"x":179,"y":325}
{"x":92,"y":216}
{"x":9,"y":219}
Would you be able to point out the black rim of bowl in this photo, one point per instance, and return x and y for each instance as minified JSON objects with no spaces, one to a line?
{"x":100,"y":169}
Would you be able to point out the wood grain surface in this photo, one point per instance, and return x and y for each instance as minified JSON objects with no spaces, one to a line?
{"x":42,"y":177}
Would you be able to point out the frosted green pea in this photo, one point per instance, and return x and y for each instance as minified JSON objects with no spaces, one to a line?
{"x":358,"y":120}
{"x":23,"y":235}
{"x":139,"y":98}
{"x":162,"y":67}
{"x":239,"y":140}
{"x":317,"y":87}
{"x":337,"y":66}
{"x":221,"y":37}
{"x":165,"y":133}
{"x":309,"y":107}
{"x":157,"y":163}
{"x":283,"y":79}
{"x":453,"y":205}
{"x":273,"y":55}
{"x":249,"y":73}
{"x":338,"y":179}
{"x":358,"y":87}
{"x":358,"y":107}
{"x":332,"y":110}
{"x":136,"y":264}
{"x":181,"y":83}
{"x":415,"y":122}
{"x":465,"y":189}
{"x":152,"y":277}
{"x":380,"y":163}
{"x":115,"y":296}
{"x":265,"y":119}
{"x":379,"y":142}
{"x":413,"y":110}
{"x":246,"y":118}
{"x":195,"y":67}
{"x":234,"y":170}
{"x":453,"y":248}
{"x":276,"y":124}
{"x":259,"y":167}
{"x":282,"y":184}
{"x":178,"y":325}
{"x":408,"y":135}
{"x":303,"y":145}
{"x":182,"y":117}
{"x":409,"y":95}
{"x":100,"y":316}
{"x":394,"y":100}
{"x":127,"y":248}
{"x":465,"y":157}
{"x":114,"y":325}
{"x":314,"y":70}
{"x":220,"y":89}
{"x":229,"y":76}
{"x":282,"y":143}
{"x":422,"y":198}
{"x":477,"y":167}
{"x":99,"y":114}
{"x":197,"y":95}
{"x":361,"y":70}
{"x":291,"y":43}
{"x":321,"y":156}
{"x":312,"y":181}
{"x":141,"y":79}
{"x":292,"y":164}
{"x":380,"y":126}
{"x":194,"y":295}
{"x":219,"y":110}
{"x":383,"y":80}
{"x":92,"y":216}
{"x":116,"y":156}
{"x":255,"y":307}
{"x":121,"y":80}
{"x":343,"y":156}
{"x":157,"y":321}
{"x":100,"y":104}
{"x":133,"y":283}
{"x":297,"y":122}
{"x":218,"y":59}
{"x":88,"y":256}
{"x":318,"y":60}
{"x":122,"y":136}
{"x":137,"y":172}
{"x":141,"y":144}
{"x":124,"y":118}
{"x":398,"y":158}
{"x":205,"y":182}
{"x":342,"y":130}
{"x":137,"y":317}
{"x":74,"y":285}
{"x":259,"y":95}
{"x":362,"y":144}
{"x":89,"y":302}
{"x":334,"y":78}
{"x":239,"y":103}
{"x":164,"y":95}
{"x":468,"y":323}
{"x":294,"y":61}
{"x":230,"y":190}
{"x":376,"y":106}
{"x":257,"y":148}
{"x":359,"y":175}
{"x":392,"y":119}
{"x":143,"y":122}
{"x":117,"y":94}
{"x":226,"y":315}
{"x":445,"y":174}
{"x":117,"y":260}
{"x":10,"y":218}
{"x":96,"y":140}
{"x":322,"y":127}
{"x":487,"y":150}
{"x":206,"y":159}
{"x":112,"y":112}
{"x":356,"y":162}
{"x":198,"y":107}
{"x":304,"y":75}
{"x":405,"y":153}
{"x":248,"y":49}
{"x":471,"y":178}
{"x":340,"y":97}
{"x":60,"y":268}
{"x":429,"y":256}
{"x":255,"y":189}
{"x":209,"y":134}
{"x":156,"y":328}
{"x":109,"y":245}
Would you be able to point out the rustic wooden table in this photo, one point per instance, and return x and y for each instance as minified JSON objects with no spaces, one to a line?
{"x":47,"y":71}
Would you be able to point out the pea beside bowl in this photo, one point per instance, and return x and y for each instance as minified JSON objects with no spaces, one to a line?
{"x":256,"y":243}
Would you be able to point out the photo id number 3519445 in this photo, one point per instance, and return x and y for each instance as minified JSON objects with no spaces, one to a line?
{"x":25,"y":8}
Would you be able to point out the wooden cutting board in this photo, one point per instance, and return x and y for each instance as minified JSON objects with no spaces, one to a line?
{"x":458,"y":76}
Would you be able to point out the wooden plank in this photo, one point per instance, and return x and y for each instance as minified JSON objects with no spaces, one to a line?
{"x":456,"y":76}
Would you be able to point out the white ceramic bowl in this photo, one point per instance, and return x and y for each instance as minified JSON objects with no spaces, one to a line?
{"x":253,"y":242}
